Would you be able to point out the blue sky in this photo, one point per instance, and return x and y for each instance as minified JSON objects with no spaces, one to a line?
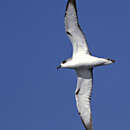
{"x":33,"y":95}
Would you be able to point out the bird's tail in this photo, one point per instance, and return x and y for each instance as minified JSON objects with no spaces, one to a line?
{"x":109,"y":61}
{"x":113,"y":61}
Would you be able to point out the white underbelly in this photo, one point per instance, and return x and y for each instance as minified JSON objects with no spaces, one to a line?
{"x":88,"y":61}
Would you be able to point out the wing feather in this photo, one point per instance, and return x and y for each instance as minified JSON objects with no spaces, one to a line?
{"x":73,"y":29}
{"x":83,"y":96}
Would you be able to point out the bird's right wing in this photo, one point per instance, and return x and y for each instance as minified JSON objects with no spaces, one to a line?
{"x":73,"y":29}
{"x":83,"y":96}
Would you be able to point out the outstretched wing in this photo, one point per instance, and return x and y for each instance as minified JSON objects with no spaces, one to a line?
{"x":83,"y":96}
{"x":73,"y":29}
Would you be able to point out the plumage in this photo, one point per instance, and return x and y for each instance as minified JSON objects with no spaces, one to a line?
{"x":73,"y":29}
{"x":82,"y":62}
{"x":83,"y":95}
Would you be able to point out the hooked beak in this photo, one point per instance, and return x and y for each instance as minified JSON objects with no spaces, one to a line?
{"x":58,"y":67}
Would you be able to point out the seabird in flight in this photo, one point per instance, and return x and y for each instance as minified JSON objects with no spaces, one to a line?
{"x":82,"y":62}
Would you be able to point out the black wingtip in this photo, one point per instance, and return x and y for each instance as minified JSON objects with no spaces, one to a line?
{"x":73,"y":2}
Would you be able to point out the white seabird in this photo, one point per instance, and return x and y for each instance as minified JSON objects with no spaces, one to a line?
{"x":82,"y":62}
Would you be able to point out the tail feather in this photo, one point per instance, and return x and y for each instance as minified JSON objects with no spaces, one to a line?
{"x":113,"y":61}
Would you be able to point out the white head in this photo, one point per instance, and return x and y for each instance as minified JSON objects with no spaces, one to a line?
{"x":66,"y":64}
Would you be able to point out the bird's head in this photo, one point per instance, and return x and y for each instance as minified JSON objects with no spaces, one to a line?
{"x":65,"y":64}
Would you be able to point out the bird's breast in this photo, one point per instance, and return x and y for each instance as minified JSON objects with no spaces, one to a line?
{"x":83,"y":60}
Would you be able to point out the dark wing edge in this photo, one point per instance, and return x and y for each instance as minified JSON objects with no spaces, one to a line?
{"x":83,"y":96}
{"x":73,"y":28}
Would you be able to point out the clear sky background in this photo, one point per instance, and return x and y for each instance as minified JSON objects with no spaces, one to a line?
{"x":33,"y":95}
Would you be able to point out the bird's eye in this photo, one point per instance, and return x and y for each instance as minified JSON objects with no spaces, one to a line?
{"x":64,"y":61}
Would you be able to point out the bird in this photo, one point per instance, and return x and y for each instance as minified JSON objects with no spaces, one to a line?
{"x":82,"y":62}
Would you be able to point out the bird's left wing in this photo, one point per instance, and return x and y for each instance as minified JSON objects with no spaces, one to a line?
{"x":83,"y":96}
{"x":73,"y":29}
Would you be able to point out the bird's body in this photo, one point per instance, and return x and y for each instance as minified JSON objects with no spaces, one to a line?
{"x":85,"y":60}
{"x":82,"y":62}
